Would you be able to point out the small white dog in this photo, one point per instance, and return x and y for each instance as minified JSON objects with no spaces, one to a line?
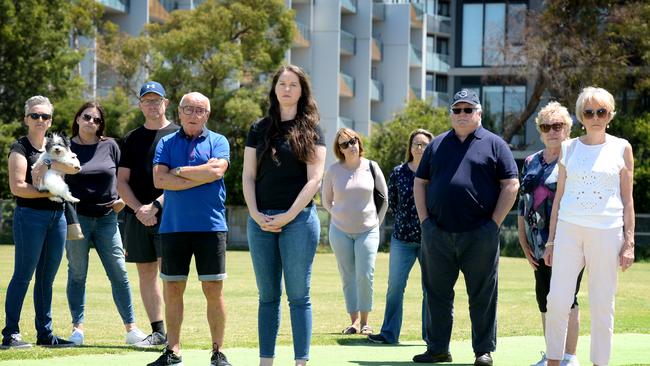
{"x":57,"y":148}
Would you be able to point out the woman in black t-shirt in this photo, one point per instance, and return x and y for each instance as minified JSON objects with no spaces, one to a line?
{"x":39,"y":229}
{"x":283,"y":167}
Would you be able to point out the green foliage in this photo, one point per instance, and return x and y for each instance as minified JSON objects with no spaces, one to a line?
{"x":388,"y":142}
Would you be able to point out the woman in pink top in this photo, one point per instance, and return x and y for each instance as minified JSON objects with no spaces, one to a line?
{"x":348,"y":189}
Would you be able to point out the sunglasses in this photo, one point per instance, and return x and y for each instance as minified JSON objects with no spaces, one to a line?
{"x":88,"y":118}
{"x":590,"y":113}
{"x":467,"y":110}
{"x":346,"y":144}
{"x":545,"y":127}
{"x":151,"y":102}
{"x":188,"y":110}
{"x":36,"y":116}
{"x":419,"y":146}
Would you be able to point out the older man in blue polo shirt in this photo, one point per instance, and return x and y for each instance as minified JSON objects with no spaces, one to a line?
{"x":464,"y":187}
{"x":189,"y":165}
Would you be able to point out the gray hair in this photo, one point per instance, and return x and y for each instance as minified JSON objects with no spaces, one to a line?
{"x":38,"y":100}
{"x":196,"y":95}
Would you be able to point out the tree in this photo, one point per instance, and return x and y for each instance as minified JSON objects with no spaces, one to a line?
{"x":572,"y":44}
{"x":388,"y":142}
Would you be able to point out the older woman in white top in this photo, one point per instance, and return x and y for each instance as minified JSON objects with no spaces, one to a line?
{"x":348,"y":188}
{"x":592,"y":225}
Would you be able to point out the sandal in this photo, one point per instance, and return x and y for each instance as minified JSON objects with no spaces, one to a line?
{"x":366,"y":330}
{"x":350,"y":330}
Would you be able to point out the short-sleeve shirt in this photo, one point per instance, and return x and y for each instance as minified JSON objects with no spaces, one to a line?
{"x":278,"y":183}
{"x":96,"y":184}
{"x":201,"y":208}
{"x":23,"y":147}
{"x":138,"y":147}
{"x":464,"y":178}
{"x":402,"y":204}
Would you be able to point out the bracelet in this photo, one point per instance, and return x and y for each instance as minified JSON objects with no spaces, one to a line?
{"x":550,"y":243}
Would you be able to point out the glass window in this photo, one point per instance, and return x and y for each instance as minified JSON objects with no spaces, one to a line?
{"x":430,"y":82}
{"x":492,"y":103}
{"x":441,"y":83}
{"x":430,"y":44}
{"x":442,"y":46}
{"x":472,"y":40}
{"x":443,"y":8}
{"x":516,"y":23}
{"x":494,"y":37}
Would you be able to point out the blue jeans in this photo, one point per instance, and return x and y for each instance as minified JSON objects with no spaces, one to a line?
{"x":39,"y":237}
{"x":355,"y":256}
{"x":401,"y":260}
{"x":104,"y":233}
{"x":289,"y":253}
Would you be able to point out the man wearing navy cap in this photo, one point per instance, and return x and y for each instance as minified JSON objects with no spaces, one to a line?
{"x":464,"y":187}
{"x":144,"y":203}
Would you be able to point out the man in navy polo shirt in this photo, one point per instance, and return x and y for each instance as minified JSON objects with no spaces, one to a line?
{"x":464,"y":187}
{"x":189,"y":165}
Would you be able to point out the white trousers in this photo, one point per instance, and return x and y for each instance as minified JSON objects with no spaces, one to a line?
{"x":597,"y":250}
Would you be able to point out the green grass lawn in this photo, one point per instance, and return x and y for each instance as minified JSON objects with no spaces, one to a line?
{"x":518,"y":314}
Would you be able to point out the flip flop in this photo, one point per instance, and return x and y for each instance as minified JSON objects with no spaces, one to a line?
{"x":350,"y":330}
{"x":366,"y":330}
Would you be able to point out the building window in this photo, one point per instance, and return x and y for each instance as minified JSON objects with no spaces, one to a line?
{"x":442,"y":46}
{"x":488,"y":30}
{"x":441,"y":83}
{"x":430,"y":83}
{"x":501,"y":106}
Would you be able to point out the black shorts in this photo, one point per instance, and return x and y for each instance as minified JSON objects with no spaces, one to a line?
{"x":141,"y":243}
{"x":543,"y":285}
{"x":208,"y":248}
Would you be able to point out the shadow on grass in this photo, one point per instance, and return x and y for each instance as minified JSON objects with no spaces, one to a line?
{"x":399,"y":363}
{"x":118,"y":348}
{"x":365,"y":342}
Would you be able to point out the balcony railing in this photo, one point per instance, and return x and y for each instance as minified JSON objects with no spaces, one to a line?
{"x":415,"y":57}
{"x":417,"y":15}
{"x":377,"y":49}
{"x":349,"y":6}
{"x":302,"y":37}
{"x":414,"y":93}
{"x":439,"y":24}
{"x":348,"y":43}
{"x":346,"y":85}
{"x":378,"y":11}
{"x":437,"y":62}
{"x":376,"y":90}
{"x":346,"y":122}
{"x":438,"y":99}
{"x":116,"y":5}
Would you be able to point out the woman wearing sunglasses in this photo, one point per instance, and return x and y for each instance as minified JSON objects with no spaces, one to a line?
{"x":39,"y":229}
{"x":348,"y":188}
{"x":95,"y":186}
{"x":591,"y":226}
{"x":536,"y":193}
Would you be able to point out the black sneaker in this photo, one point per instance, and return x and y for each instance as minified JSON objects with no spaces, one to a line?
{"x":14,"y":341}
{"x":430,"y":357}
{"x":218,"y":359}
{"x":54,"y":342}
{"x":377,"y":338}
{"x":483,"y":359}
{"x":167,"y":358}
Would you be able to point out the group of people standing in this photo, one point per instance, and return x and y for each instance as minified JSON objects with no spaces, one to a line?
{"x":449,"y":199}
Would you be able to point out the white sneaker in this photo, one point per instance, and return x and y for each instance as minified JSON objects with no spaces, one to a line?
{"x":135,"y":336}
{"x":541,"y":362}
{"x":570,"y":360}
{"x":154,"y":339}
{"x":77,"y":336}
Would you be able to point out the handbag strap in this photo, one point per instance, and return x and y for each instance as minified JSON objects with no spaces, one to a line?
{"x":372,"y":171}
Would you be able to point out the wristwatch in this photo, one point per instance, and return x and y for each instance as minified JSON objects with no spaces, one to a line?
{"x":48,"y":163}
{"x":177,"y":171}
{"x":157,"y":205}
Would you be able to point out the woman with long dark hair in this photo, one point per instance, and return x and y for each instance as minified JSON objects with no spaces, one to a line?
{"x":283,"y":167}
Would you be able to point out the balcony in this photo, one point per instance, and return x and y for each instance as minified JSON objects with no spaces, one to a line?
{"x":157,"y":12}
{"x":301,"y":38}
{"x":417,"y":15}
{"x":112,"y":6}
{"x":346,"y":122}
{"x":376,"y":90}
{"x":378,"y":12}
{"x":348,"y":43}
{"x":438,"y":99}
{"x":439,"y":24}
{"x":414,"y":93}
{"x":348,"y":6}
{"x":437,"y":62}
{"x":377,"y":49}
{"x":415,"y":57}
{"x":346,"y":85}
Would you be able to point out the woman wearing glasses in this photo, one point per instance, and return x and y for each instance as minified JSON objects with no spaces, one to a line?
{"x":405,"y":242}
{"x":537,"y":190}
{"x":591,"y":226}
{"x":95,"y":187}
{"x":39,"y":229}
{"x":283,"y":167}
{"x":348,"y":188}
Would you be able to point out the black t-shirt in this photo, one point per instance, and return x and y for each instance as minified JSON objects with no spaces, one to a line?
{"x":277,"y":186}
{"x":23,"y":147}
{"x":138,"y":148}
{"x":95,"y":185}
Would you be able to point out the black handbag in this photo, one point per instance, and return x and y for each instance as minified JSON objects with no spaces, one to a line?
{"x":377,"y":196}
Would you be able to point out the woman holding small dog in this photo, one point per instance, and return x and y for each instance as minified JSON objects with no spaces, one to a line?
{"x":39,"y":229}
{"x":95,"y":187}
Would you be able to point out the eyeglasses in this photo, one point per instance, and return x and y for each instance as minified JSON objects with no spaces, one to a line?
{"x":189,"y":109}
{"x":151,"y":102}
{"x":590,"y":113}
{"x":88,"y":118}
{"x":350,"y":142}
{"x":467,"y":110}
{"x":419,"y":146}
{"x":36,"y":116}
{"x":546,"y":127}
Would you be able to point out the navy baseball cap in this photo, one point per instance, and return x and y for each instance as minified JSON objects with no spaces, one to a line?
{"x":152,"y":87}
{"x":465,"y":96}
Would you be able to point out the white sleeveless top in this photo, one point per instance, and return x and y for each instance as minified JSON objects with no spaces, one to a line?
{"x":592,"y":192}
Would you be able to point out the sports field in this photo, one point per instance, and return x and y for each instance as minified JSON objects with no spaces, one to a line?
{"x":519,"y":342}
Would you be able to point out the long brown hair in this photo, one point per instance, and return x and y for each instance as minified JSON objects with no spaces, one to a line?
{"x":417,"y":131}
{"x":100,"y":109}
{"x":303,"y":135}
